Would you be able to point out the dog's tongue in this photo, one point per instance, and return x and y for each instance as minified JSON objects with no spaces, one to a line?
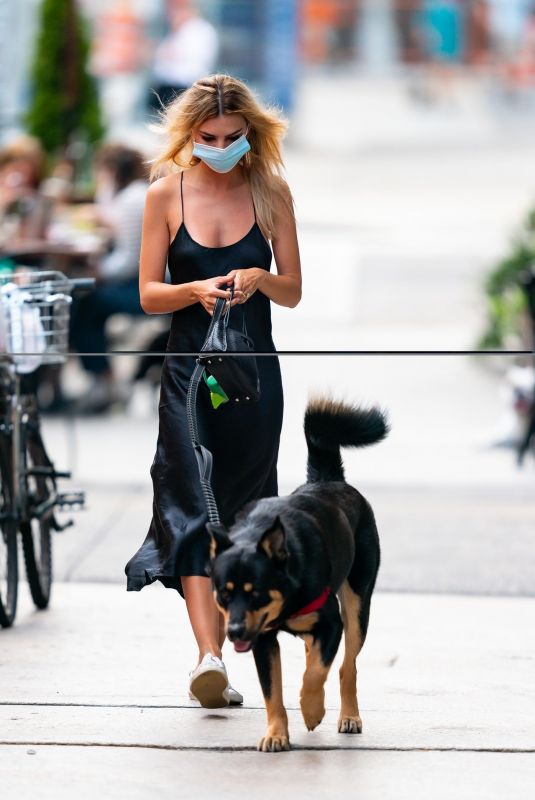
{"x":242,"y":647}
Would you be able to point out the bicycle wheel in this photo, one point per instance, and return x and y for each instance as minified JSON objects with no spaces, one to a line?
{"x":36,"y":533}
{"x":9,"y":571}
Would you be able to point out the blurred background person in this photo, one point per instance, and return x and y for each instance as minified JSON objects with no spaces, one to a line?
{"x":508,"y":19}
{"x":509,"y":22}
{"x":23,"y":209}
{"x":408,"y":41}
{"x":343,"y":26}
{"x":121,"y":186}
{"x":189,"y":51}
{"x":478,"y":33}
{"x":443,"y":29}
{"x":120,"y":51}
{"x":522,"y":68}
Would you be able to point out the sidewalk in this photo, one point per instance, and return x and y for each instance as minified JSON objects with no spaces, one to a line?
{"x":358,"y":112}
{"x":454,"y":514}
{"x":93,"y":703}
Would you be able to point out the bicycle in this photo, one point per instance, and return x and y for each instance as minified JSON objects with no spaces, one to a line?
{"x":34,"y":329}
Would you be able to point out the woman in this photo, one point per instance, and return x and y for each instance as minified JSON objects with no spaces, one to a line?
{"x":225,"y":147}
{"x":122,"y":185}
{"x":443,"y":20}
{"x":23,"y":209}
{"x":190,"y":49}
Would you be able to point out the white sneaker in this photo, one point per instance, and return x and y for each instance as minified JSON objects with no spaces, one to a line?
{"x":235,"y":698}
{"x":211,"y":666}
{"x":208,"y":683}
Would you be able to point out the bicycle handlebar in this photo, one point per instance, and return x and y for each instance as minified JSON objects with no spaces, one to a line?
{"x":81,"y":284}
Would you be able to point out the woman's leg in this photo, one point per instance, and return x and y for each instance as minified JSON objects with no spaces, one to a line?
{"x":222,"y":630}
{"x":205,"y":618}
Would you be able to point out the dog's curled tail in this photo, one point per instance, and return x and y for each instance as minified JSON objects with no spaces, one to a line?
{"x":331,"y":424}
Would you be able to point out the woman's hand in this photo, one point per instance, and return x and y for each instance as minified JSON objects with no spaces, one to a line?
{"x":246,"y":282}
{"x":209,"y":290}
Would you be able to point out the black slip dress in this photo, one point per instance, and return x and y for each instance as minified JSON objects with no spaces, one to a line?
{"x":244,"y":440}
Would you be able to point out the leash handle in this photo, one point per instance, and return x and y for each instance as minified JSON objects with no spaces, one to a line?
{"x":220,"y":313}
{"x":221,"y":305}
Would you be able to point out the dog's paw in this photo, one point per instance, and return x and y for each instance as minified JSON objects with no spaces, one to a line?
{"x":273,"y":743}
{"x":313,"y":710}
{"x":349,"y":725}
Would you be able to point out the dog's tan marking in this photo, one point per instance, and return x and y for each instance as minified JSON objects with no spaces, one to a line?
{"x":247,"y":587}
{"x":312,"y":691}
{"x":349,"y":720}
{"x":273,"y":543}
{"x":325,"y":403}
{"x":303,"y":623}
{"x":213,"y":548}
{"x":229,"y":585}
{"x":253,"y":618}
{"x":271,"y":610}
{"x":276,"y":737}
{"x":224,"y":611}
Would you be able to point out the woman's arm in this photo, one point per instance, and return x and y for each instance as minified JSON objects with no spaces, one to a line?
{"x":156,"y":296}
{"x":285,"y":287}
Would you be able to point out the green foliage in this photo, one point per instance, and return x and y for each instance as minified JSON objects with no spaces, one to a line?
{"x":506,"y":301}
{"x":64,"y":94}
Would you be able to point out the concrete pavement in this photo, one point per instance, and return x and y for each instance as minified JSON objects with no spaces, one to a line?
{"x":396,"y":244}
{"x":455,"y":514}
{"x":454,"y":539}
{"x":118,"y":772}
{"x":93,"y":703}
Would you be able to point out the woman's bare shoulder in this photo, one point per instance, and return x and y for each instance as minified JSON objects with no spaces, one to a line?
{"x":283,"y":201}
{"x":163,"y":188}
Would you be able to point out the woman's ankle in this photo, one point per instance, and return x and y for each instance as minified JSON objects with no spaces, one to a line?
{"x":214,"y":650}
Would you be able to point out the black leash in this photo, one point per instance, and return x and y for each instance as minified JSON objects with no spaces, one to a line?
{"x":202,"y":454}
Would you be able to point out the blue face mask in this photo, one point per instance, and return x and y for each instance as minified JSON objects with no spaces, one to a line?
{"x":222,"y":159}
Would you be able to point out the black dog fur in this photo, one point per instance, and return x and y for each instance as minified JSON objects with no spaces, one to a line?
{"x":283,"y":553}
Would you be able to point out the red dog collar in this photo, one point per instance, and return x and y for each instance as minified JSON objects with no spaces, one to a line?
{"x":314,"y":605}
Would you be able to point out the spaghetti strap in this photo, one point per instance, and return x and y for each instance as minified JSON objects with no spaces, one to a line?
{"x":254,"y":208}
{"x":181,"y":194}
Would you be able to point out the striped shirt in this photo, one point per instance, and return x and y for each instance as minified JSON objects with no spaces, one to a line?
{"x":125,"y":215}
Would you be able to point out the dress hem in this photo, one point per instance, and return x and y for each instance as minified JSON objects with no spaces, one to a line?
{"x":135,"y":583}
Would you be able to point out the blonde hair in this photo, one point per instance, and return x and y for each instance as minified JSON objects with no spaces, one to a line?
{"x":210,"y":97}
{"x":26,"y":148}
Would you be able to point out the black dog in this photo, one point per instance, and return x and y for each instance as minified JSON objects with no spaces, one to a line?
{"x":284,"y":562}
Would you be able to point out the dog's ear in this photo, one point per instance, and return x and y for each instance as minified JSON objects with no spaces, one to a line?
{"x":273,"y":542}
{"x":219,"y":539}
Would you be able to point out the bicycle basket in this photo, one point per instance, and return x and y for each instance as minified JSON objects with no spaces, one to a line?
{"x":34,"y":318}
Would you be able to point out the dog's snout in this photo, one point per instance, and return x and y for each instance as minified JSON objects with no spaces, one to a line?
{"x":236,"y":630}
